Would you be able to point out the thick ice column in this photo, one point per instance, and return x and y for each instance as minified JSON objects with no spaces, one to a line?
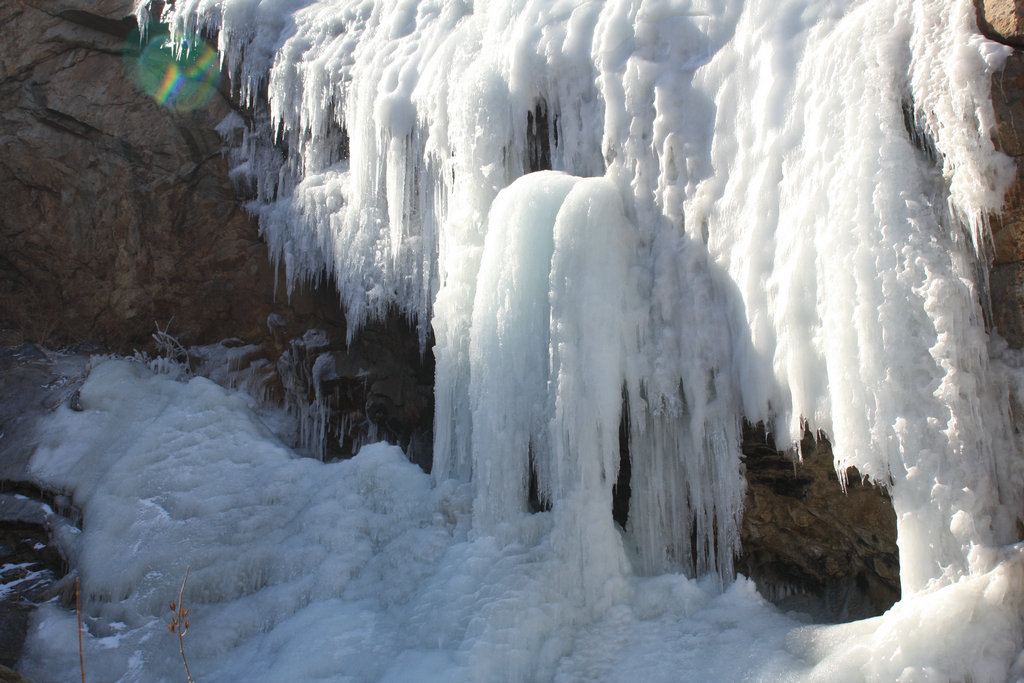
{"x":590,"y":293}
{"x":551,"y":324}
{"x":509,"y":344}
{"x":591,"y":336}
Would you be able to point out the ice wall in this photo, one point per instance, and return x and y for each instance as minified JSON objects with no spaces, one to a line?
{"x":764,"y":209}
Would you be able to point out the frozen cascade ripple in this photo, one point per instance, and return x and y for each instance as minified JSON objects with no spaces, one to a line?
{"x":760,"y":209}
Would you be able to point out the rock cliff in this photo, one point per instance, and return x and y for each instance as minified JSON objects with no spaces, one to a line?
{"x":118,"y":212}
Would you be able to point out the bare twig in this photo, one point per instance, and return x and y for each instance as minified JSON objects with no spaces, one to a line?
{"x":78,"y":611}
{"x":179,"y":623}
{"x":170,"y":347}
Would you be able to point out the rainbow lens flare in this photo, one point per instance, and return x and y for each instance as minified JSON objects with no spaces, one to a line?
{"x":183,"y":80}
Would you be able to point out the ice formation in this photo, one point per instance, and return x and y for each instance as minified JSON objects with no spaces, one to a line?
{"x":658,"y":216}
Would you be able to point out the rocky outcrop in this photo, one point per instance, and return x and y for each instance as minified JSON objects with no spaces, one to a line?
{"x":810,"y":545}
{"x":1007,"y":271}
{"x":117,"y":212}
{"x":1003,"y":21}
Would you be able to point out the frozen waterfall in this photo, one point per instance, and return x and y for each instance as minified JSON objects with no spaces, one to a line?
{"x":634,"y":224}
{"x":788,"y":229}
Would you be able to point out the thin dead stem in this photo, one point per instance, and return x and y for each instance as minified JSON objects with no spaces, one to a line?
{"x":78,"y":612}
{"x":179,"y":623}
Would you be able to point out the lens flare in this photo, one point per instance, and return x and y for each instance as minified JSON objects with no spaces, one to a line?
{"x":182,"y":77}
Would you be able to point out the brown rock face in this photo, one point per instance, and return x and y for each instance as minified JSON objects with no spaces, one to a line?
{"x":809,"y":545}
{"x":1006,"y":282}
{"x":1002,"y":20}
{"x":1008,"y":103}
{"x":117,"y":212}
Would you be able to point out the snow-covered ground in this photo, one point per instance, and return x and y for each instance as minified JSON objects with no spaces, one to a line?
{"x":366,"y":570}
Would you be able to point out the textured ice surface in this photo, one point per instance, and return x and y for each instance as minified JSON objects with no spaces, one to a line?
{"x":300,"y":570}
{"x":802,"y":191}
